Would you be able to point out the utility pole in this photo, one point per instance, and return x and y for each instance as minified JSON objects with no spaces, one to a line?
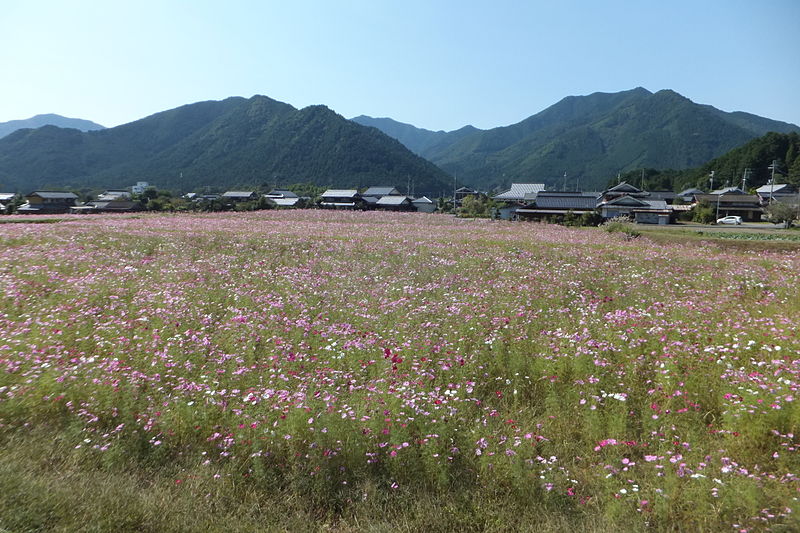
{"x":772,"y":179}
{"x":744,"y":179}
{"x":565,"y":181}
{"x":712,"y":180}
{"x":454,"y":192}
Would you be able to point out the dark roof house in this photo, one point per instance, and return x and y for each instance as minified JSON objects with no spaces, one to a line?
{"x":776,"y":191}
{"x":239,"y":196}
{"x":623,"y":189}
{"x":48,"y":202}
{"x":342,"y":199}
{"x":559,"y":203}
{"x":747,"y":206}
{"x":394,"y":203}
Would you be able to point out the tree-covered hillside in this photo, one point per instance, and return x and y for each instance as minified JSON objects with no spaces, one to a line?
{"x":228,"y":144}
{"x":755,"y":158}
{"x":590,"y":138}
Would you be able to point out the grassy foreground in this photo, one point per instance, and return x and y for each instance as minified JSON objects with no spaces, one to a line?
{"x":373,"y":372}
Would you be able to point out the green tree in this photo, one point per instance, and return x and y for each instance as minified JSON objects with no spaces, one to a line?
{"x":781,"y":213}
{"x":475,"y":206}
{"x":703,"y":213}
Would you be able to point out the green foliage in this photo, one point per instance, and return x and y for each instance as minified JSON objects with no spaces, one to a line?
{"x":703,"y":213}
{"x":476,"y":206}
{"x":757,"y":155}
{"x":781,"y":213}
{"x":622,"y":225}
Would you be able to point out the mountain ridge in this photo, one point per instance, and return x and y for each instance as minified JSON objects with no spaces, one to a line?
{"x":216,"y":144}
{"x":591,"y":138}
{"x":47,"y":119}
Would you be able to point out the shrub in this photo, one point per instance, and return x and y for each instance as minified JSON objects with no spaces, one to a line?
{"x":622,"y":225}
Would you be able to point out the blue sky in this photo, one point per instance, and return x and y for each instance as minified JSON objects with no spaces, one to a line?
{"x":435,"y":64}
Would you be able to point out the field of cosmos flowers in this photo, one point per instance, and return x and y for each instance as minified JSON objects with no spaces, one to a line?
{"x":298,"y":370}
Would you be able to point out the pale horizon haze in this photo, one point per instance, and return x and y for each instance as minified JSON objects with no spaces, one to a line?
{"x":438,"y":65}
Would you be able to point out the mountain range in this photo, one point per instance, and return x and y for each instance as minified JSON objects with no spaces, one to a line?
{"x":581,"y":141}
{"x":589,"y":138}
{"x":50,"y":119}
{"x":222,"y":145}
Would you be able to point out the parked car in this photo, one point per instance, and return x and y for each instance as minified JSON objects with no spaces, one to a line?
{"x":730,"y":220}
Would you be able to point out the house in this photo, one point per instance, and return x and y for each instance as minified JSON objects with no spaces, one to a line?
{"x":559,"y":203}
{"x":283,"y":198}
{"x":236,"y":197}
{"x":629,"y":206}
{"x":423,"y":204}
{"x":114,"y":194}
{"x":394,"y":203}
{"x":519,"y":195}
{"x":5,"y":199}
{"x":371,"y":196}
{"x":728,"y":190}
{"x":687,"y":195}
{"x":747,"y":206}
{"x":667,"y":196}
{"x":623,"y":189}
{"x":342,"y":199}
{"x":120,"y":205}
{"x":775,"y":191}
{"x":462,"y":193}
{"x":48,"y":202}
{"x":280,"y":193}
{"x":658,"y":212}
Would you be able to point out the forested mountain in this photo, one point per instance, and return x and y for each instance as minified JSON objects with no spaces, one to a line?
{"x":590,"y":138}
{"x":752,"y":160}
{"x":38,"y":121}
{"x":225,"y":144}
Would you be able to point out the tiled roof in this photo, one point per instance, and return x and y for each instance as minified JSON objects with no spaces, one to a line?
{"x":728,"y":190}
{"x":282,"y":193}
{"x":340,"y":193}
{"x":380,"y":191}
{"x":565,"y":201}
{"x":519,"y":191}
{"x":54,"y":195}
{"x":778,"y":188}
{"x":624,"y":187}
{"x":393,"y":200}
{"x":728,"y":199}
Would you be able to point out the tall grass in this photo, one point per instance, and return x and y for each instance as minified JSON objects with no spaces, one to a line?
{"x":281,"y":370}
